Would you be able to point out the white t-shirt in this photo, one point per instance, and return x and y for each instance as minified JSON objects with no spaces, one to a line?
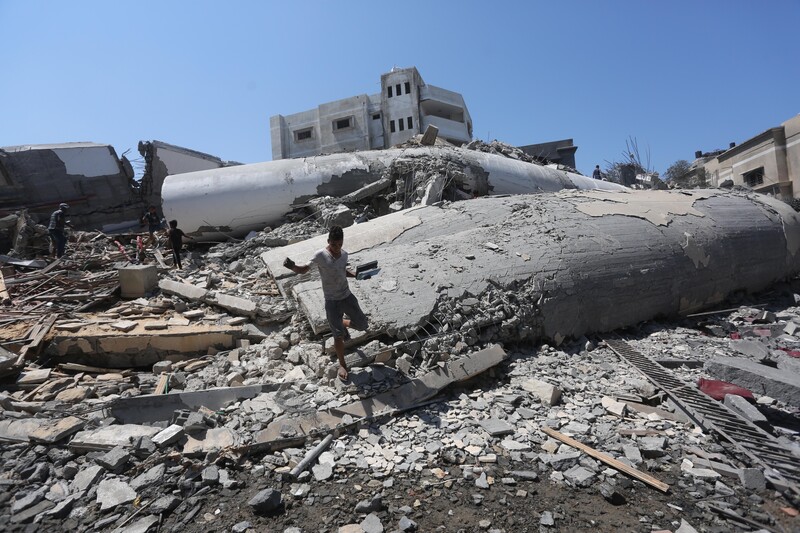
{"x":333,"y":273}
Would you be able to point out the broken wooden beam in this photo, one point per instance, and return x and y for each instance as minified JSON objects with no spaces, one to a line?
{"x":607,"y":459}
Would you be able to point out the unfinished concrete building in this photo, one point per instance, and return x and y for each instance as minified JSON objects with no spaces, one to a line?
{"x":768,"y":163}
{"x":405,"y":107}
{"x":96,"y":183}
{"x":557,"y":152}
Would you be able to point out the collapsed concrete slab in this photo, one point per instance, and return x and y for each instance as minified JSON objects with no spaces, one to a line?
{"x":140,"y":346}
{"x":108,"y":437}
{"x":160,"y":407}
{"x":212,"y":204}
{"x":556,"y":265}
{"x":761,"y":379}
{"x":288,"y":430}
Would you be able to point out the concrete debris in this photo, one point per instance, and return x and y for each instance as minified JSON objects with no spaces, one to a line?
{"x":217,"y":383}
{"x":279,"y":185}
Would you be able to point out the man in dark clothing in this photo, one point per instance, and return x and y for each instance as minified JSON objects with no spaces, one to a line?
{"x":56,"y":229}
{"x":153,"y":222}
{"x":597,"y":174}
{"x":175,"y":237}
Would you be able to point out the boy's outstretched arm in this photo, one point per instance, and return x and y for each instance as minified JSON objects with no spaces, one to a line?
{"x":294,"y":267}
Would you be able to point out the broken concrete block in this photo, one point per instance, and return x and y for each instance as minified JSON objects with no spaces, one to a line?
{"x":113,"y":492}
{"x":212,"y":441}
{"x":496,"y":427}
{"x":613,"y":406}
{"x":114,"y":460}
{"x":151,"y":477}
{"x":234,"y":379}
{"x":756,"y":377}
{"x":176,"y":321}
{"x":745,"y":409}
{"x":236,"y":305}
{"x":136,"y":281}
{"x":548,"y":394}
{"x":429,"y":137}
{"x":162,"y":366}
{"x":34,"y":377}
{"x":265,"y":501}
{"x":652,"y":446}
{"x":124,"y":325}
{"x":752,"y":479}
{"x":86,"y":478}
{"x":74,"y":394}
{"x":52,"y":431}
{"x":184,"y":290}
{"x":108,"y":437}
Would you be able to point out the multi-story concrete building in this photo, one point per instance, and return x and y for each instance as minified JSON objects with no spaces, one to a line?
{"x":768,"y":163}
{"x":405,"y":106}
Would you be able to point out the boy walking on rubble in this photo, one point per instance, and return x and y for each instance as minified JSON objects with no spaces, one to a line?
{"x":175,"y":237}
{"x":332,"y":264}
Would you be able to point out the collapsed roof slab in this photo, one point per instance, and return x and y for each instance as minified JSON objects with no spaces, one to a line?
{"x":215,"y":203}
{"x":558,"y":265}
{"x":140,"y":347}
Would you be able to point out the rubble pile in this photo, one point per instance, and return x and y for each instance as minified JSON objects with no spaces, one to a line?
{"x":252,"y":430}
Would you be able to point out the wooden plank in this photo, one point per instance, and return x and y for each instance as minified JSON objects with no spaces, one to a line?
{"x":160,"y":259}
{"x":163,"y":381}
{"x":4,"y":296}
{"x":600,"y":456}
{"x":32,"y":348}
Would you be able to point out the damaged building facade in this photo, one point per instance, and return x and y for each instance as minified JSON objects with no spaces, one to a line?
{"x":768,"y":163}
{"x":405,"y":107}
{"x":96,"y":183}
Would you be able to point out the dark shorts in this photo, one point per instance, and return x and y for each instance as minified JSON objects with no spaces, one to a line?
{"x":335,"y":311}
{"x":152,"y":228}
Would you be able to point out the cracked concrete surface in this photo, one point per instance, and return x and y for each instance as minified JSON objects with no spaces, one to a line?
{"x":542,"y":267}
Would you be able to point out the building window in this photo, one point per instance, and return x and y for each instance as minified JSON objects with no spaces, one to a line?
{"x":342,"y":123}
{"x":410,"y":123}
{"x":389,"y":91}
{"x":754,"y":178}
{"x":391,"y":126}
{"x":397,"y":90}
{"x":304,"y":134}
{"x":408,"y":87}
{"x":401,"y":123}
{"x":376,"y":116}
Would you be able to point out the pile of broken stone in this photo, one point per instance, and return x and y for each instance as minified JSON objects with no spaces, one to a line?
{"x":88,"y":445}
{"x":69,"y":462}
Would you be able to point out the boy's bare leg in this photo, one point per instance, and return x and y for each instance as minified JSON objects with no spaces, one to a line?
{"x":338,"y":344}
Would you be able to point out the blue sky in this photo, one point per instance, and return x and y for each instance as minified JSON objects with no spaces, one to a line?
{"x":678,"y":76}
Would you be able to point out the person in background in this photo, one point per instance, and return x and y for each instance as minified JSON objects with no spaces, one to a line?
{"x":58,"y":220}
{"x":597,"y":174}
{"x":175,"y":237}
{"x":153,"y":222}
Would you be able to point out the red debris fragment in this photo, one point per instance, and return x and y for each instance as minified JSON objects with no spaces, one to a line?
{"x":793,"y":353}
{"x":718,"y":389}
{"x":735,"y":336}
